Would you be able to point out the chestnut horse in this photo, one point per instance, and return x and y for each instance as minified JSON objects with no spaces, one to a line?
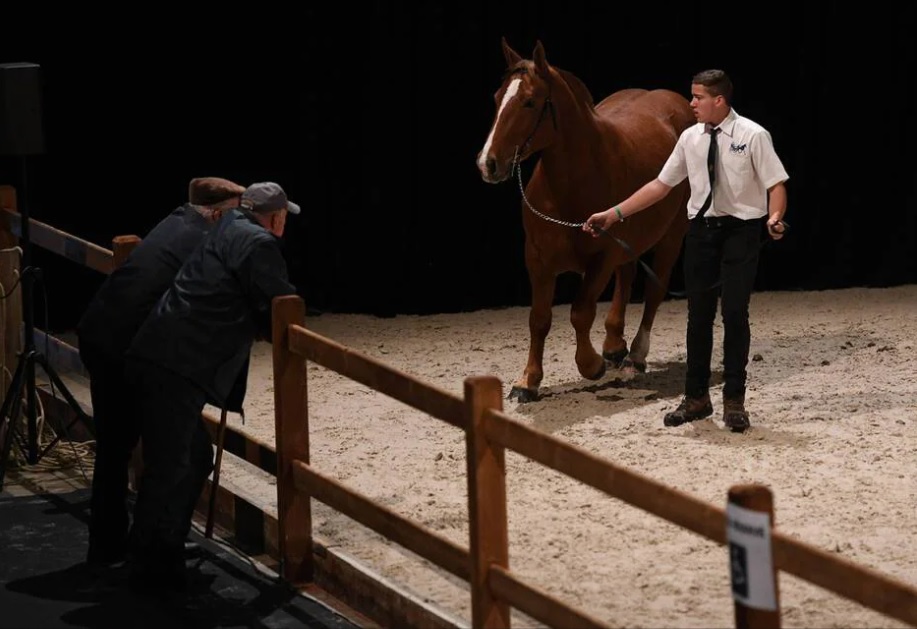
{"x":592,"y":156}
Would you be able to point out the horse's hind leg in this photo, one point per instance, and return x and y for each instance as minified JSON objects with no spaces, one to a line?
{"x":614,"y":349}
{"x":665,"y":255}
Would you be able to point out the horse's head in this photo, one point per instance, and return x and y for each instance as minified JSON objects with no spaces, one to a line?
{"x":525,"y":119}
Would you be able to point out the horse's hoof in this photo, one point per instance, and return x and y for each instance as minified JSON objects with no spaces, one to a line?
{"x":636,"y":367}
{"x":523,"y":395}
{"x":615,"y":358}
{"x":598,"y":375}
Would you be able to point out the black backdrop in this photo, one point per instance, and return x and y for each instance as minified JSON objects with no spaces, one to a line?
{"x":371,"y":116}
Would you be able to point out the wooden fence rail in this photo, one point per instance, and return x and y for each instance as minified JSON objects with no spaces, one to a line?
{"x":400,"y":530}
{"x":375,"y":374}
{"x":63,"y":244}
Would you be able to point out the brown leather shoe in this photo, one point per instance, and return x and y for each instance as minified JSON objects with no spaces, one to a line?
{"x":734,"y":414}
{"x":691,"y":409}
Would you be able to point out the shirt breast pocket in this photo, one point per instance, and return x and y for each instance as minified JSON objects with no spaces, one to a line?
{"x":737,"y":160}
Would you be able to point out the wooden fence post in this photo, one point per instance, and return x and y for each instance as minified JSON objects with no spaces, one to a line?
{"x":121,"y":247}
{"x":8,"y":200}
{"x":749,"y":525}
{"x":489,"y":543}
{"x":291,"y":426}
{"x":11,"y":304}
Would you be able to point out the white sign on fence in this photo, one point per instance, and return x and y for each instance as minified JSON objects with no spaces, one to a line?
{"x":748,"y":534}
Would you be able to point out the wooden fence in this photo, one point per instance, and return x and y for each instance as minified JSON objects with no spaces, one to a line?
{"x":489,"y":432}
{"x":305,"y":561}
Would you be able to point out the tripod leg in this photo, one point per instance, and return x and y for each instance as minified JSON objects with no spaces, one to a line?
{"x":215,"y":485}
{"x":71,"y":401}
{"x":80,"y":413}
{"x":10,"y":412}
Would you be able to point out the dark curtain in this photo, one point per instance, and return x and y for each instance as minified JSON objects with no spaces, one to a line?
{"x":371,"y":117}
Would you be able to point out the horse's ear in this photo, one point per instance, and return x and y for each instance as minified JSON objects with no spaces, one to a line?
{"x":541,"y":63}
{"x":512,"y":57}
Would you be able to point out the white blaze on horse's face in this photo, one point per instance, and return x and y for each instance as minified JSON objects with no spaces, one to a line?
{"x":486,"y":163}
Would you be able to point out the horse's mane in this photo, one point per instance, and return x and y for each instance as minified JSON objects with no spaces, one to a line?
{"x":578,"y":87}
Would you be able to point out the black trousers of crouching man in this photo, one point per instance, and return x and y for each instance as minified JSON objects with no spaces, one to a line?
{"x":117,"y":429}
{"x":177,"y":459}
{"x":725,"y":250}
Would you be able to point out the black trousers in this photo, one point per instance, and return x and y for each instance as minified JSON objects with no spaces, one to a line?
{"x":177,"y":459}
{"x":117,"y":430}
{"x":717,"y":249}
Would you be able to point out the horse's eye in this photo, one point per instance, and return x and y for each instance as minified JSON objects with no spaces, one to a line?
{"x":529,"y":104}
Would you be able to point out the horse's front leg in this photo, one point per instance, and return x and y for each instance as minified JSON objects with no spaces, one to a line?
{"x":614,"y":349}
{"x":582,"y":316}
{"x":526,"y":388}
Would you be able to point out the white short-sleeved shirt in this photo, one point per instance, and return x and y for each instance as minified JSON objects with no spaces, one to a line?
{"x":746,"y":167}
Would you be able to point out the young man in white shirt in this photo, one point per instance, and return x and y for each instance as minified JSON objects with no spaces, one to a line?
{"x":737,"y":182}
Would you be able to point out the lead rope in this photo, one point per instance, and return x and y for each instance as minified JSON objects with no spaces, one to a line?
{"x":517,"y":167}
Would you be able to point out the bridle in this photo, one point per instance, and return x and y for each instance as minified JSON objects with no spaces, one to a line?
{"x":547,"y":105}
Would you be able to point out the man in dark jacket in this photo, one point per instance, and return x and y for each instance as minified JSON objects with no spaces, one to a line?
{"x":192,"y":349}
{"x":105,"y":331}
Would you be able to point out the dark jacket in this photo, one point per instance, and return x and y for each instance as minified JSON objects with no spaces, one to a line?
{"x":129,"y":293}
{"x":203,"y":327}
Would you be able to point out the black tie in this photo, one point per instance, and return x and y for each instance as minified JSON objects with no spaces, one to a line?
{"x":711,"y":170}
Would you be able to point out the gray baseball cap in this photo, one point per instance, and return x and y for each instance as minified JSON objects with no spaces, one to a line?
{"x":267,"y":196}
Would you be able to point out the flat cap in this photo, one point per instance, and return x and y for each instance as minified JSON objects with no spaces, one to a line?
{"x":212,"y":190}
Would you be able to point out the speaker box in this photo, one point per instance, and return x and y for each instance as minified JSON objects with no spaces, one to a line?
{"x":20,"y":109}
